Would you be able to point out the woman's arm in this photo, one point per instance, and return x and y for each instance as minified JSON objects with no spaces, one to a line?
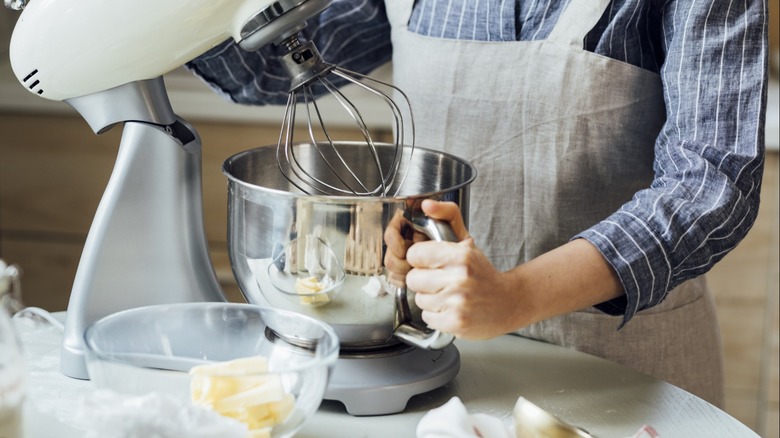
{"x":708,"y":156}
{"x":460,"y":292}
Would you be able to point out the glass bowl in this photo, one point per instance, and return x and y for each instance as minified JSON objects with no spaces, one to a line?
{"x":313,"y":278}
{"x":265,"y":367}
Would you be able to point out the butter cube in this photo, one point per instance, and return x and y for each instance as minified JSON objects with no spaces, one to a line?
{"x":258,"y":401}
{"x":308,"y":286}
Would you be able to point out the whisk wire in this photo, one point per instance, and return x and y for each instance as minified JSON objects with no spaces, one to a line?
{"x":285,"y":139}
{"x":308,"y":70}
{"x":286,"y":152}
{"x":284,"y":148}
{"x":357,"y":78}
{"x":355,"y":114}
{"x":311,"y":102}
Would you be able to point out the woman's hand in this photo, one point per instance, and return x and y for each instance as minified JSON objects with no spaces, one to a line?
{"x":457,"y":288}
{"x":399,"y":236}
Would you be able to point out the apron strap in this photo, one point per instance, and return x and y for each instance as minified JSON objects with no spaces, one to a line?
{"x":576,"y":20}
{"x":399,"y":12}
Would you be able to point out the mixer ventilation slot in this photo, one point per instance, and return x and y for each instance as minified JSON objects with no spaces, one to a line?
{"x":34,"y":83}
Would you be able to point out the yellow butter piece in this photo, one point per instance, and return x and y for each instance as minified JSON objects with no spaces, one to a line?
{"x":258,"y":401}
{"x":308,"y":286}
{"x":283,"y":408}
{"x":244,"y":365}
{"x":270,"y":391}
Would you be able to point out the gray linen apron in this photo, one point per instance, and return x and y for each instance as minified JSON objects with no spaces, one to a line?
{"x":561,"y":138}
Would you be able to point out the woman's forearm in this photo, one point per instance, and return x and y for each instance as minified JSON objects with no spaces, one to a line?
{"x":571,"y":277}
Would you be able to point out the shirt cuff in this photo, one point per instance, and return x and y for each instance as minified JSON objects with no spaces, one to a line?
{"x":639,"y":261}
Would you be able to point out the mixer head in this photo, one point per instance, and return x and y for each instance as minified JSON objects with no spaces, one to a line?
{"x":65,"y":49}
{"x":308,"y":72}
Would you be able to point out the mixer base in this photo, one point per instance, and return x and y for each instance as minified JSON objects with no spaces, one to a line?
{"x":384,"y":384}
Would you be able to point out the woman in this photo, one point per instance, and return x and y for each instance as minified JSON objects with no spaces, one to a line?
{"x":620,"y":151}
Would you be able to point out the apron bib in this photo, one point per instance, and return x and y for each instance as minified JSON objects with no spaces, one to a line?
{"x":561,"y":138}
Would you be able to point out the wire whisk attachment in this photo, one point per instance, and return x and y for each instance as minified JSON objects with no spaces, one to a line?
{"x":324,"y":168}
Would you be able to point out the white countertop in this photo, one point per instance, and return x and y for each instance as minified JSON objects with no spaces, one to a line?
{"x":604,"y":398}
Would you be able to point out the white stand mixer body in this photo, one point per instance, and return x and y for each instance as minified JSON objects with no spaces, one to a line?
{"x":106,"y":59}
{"x":62,"y":49}
{"x":147,"y":244}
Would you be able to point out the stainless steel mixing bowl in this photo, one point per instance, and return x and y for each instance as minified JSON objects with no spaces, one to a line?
{"x":323,"y":255}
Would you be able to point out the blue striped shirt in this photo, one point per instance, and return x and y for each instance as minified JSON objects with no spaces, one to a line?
{"x":709,"y":156}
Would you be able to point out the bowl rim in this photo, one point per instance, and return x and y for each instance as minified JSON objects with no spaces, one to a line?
{"x":228,"y":163}
{"x":329,"y":355}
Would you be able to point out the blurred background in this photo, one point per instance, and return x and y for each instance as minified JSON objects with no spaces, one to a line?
{"x":53,"y":170}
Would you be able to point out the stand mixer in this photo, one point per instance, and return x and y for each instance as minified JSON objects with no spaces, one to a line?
{"x":147,"y":242}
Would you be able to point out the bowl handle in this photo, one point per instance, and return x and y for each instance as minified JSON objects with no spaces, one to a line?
{"x":407,"y":329}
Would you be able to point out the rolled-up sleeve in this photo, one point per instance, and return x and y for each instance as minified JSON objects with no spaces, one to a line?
{"x":709,"y":155}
